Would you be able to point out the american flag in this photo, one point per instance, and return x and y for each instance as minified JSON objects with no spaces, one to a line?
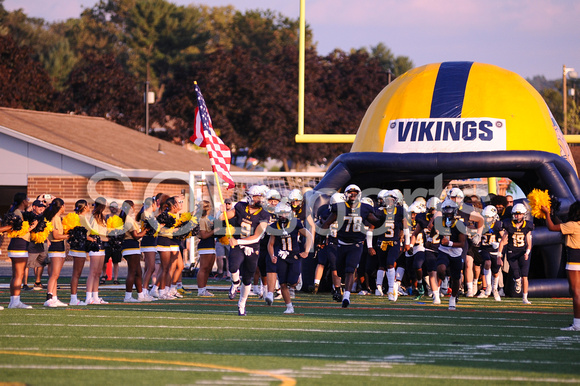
{"x":220,"y":155}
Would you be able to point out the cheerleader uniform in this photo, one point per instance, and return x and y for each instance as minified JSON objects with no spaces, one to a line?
{"x":56,"y":248}
{"x":130,"y":245}
{"x":101,"y":230}
{"x":206,"y":246}
{"x":18,"y":247}
{"x":165,"y":241}
{"x":78,"y":253}
{"x":148,"y":242}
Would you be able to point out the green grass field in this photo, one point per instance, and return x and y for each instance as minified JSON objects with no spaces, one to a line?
{"x":204,"y":341}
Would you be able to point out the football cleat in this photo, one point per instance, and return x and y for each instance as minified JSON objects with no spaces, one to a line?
{"x":289,"y":310}
{"x":233,"y":290}
{"x":269,"y":298}
{"x":571,"y":327}
{"x":241,"y":311}
{"x":313,"y":288}
{"x":379,"y":291}
{"x":526,"y":301}
{"x":345,"y":303}
{"x":452,"y":303}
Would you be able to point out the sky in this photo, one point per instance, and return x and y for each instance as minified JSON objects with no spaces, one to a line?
{"x":529,"y":37}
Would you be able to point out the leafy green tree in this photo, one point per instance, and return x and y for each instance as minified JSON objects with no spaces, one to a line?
{"x":24,"y":83}
{"x":100,"y":87}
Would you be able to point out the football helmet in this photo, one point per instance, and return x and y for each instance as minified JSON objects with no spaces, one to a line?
{"x":295,"y":198}
{"x":415,"y":208}
{"x":519,"y":212}
{"x":352,"y":193}
{"x":421,"y":204}
{"x":456,"y":194}
{"x":336,"y":198}
{"x":390,"y":199}
{"x":399,"y":196}
{"x":254,"y":190}
{"x":381,"y":198}
{"x":283,"y":212}
{"x":368,"y":200}
{"x":433,"y":203}
{"x":449,"y":211}
{"x":273,"y":194}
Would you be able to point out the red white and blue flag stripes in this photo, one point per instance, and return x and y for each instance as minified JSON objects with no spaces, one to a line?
{"x":204,"y":135}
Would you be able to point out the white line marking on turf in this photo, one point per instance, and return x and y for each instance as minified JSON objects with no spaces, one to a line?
{"x":111,"y":368}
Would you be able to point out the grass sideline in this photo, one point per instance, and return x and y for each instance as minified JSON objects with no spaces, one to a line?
{"x":203,"y":341}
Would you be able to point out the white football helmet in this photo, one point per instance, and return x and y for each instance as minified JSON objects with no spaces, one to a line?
{"x":456,"y":193}
{"x":336,"y":198}
{"x":490,"y":214}
{"x":519,"y":209}
{"x":399,"y":196}
{"x":421,"y":203}
{"x":381,"y":198}
{"x":283,"y":212}
{"x":352,"y":193}
{"x":449,"y":210}
{"x":295,"y":198}
{"x":432,"y":203}
{"x":368,"y":200}
{"x":254,"y":190}
{"x":415,"y":208}
{"x":273,"y":194}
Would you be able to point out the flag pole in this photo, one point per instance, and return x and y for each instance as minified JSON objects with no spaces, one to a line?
{"x":217,"y":180}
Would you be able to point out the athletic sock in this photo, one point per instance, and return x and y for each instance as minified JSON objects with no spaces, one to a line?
{"x":470,"y":287}
{"x":200,"y":290}
{"x":244,"y":292}
{"x":15,"y":300}
{"x":236,"y":277}
{"x":391,"y":278}
{"x":346,"y":295}
{"x":380,"y":277}
{"x":317,"y":281}
{"x":73,"y":298}
{"x":577,"y":322}
{"x":400,"y":273}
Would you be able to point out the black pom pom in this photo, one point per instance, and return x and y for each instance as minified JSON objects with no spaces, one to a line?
{"x":12,"y":220}
{"x":166,"y":219}
{"x":78,"y":238}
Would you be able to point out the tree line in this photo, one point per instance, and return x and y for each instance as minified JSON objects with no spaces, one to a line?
{"x":245,"y":63}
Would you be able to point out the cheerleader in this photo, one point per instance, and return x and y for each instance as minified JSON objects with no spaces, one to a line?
{"x":167,"y":247}
{"x":98,"y":227}
{"x":132,"y":253}
{"x":56,"y":251}
{"x":79,"y":255}
{"x":18,"y":248}
{"x":149,"y":240}
{"x":206,"y":249}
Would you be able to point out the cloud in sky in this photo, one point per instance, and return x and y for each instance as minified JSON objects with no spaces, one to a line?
{"x":534,"y":37}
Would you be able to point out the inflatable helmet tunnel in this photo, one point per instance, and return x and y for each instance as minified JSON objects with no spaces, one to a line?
{"x":461,"y":120}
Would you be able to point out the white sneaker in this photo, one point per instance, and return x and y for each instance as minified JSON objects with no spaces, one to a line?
{"x":77,"y":303}
{"x":292,"y":293}
{"x":205,"y":294}
{"x":167,"y":296}
{"x":379,"y":292}
{"x":175,"y":294}
{"x":130,"y":300}
{"x":278,"y":296}
{"x":452,"y":303}
{"x":436,"y":300}
{"x":482,"y":295}
{"x":59,"y":303}
{"x":147,"y":298}
{"x":526,"y":301}
{"x":501,"y":292}
{"x":363,"y":292}
{"x":469,"y":293}
{"x":20,"y":305}
{"x":571,"y":327}
{"x":391,"y":295}
{"x":496,"y":296}
{"x":289,"y":310}
{"x":49,"y":303}
{"x":98,"y":301}
{"x":269,"y":299}
{"x":154,"y":293}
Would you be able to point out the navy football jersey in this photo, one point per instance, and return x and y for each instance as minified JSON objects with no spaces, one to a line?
{"x":264,"y":240}
{"x":392,"y":224}
{"x":286,"y":238}
{"x":321,"y":215}
{"x":452,"y":232}
{"x":490,"y":236}
{"x":350,"y":221}
{"x":517,"y":234}
{"x":248,"y":222}
{"x":422,"y":222}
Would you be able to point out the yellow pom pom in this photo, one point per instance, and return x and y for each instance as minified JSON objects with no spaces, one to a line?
{"x":23,"y":231}
{"x":225,"y":240}
{"x":70,"y":221}
{"x":539,"y":198}
{"x":40,"y":237}
{"x":115,"y":222}
{"x":183,"y":218}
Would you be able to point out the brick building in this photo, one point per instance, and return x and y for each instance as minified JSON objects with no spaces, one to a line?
{"x":74,"y":157}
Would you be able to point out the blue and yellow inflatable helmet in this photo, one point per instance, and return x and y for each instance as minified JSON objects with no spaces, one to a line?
{"x":459,"y":107}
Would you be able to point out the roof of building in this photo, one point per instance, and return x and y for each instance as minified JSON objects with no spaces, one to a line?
{"x":100,"y":142}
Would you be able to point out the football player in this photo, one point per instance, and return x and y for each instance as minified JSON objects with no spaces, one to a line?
{"x":453,"y":242}
{"x":273,"y":198}
{"x":252,"y":221}
{"x":415,"y":250}
{"x":350,"y":215}
{"x":492,"y":262}
{"x":285,"y":252}
{"x":517,"y":240}
{"x":387,"y":244}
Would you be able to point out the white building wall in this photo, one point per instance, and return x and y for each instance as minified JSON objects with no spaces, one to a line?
{"x":19,"y":158}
